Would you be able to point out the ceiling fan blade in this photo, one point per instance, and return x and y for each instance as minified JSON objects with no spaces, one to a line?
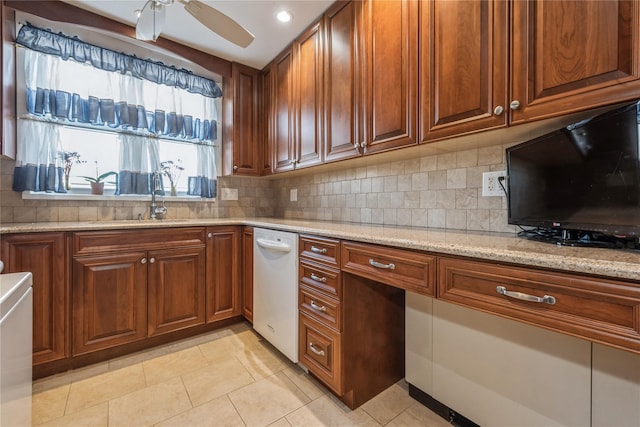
{"x":151,"y":21}
{"x":219,"y":23}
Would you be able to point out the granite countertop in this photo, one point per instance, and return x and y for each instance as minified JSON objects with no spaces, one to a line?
{"x":500,"y":247}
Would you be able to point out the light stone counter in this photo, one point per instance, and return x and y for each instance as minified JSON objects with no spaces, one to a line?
{"x":500,"y":247}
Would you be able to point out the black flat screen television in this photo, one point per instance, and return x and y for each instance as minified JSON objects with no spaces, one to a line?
{"x":584,"y":177}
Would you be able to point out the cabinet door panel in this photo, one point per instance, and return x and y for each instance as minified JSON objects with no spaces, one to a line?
{"x":247,"y":273}
{"x":247,"y":141}
{"x":282,"y":104}
{"x":109,"y":301}
{"x":391,"y":52}
{"x":176,"y":289}
{"x":573,"y":55}
{"x":223,"y":284}
{"x":43,"y":254}
{"x":463,"y":72}
{"x":341,"y":90}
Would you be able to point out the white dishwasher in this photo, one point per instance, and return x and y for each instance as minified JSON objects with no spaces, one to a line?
{"x":275,"y":289}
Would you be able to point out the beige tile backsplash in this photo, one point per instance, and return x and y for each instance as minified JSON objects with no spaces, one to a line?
{"x":438,"y":190}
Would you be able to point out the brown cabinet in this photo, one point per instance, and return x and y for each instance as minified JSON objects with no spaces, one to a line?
{"x":600,"y":310}
{"x":247,"y":273}
{"x":44,"y":255}
{"x":223,"y":273}
{"x":390,"y":76}
{"x":281,"y":129}
{"x":243,"y":148}
{"x":129,"y":285}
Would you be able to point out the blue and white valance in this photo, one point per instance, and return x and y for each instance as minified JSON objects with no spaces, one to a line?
{"x":66,"y":47}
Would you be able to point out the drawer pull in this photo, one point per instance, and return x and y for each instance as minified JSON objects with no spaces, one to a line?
{"x":318,"y":352}
{"x":317,"y":307}
{"x":318,"y":278}
{"x":548,"y":299}
{"x":318,"y":250}
{"x":376,"y":264}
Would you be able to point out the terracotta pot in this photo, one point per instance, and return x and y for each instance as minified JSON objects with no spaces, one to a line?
{"x":97,"y":188}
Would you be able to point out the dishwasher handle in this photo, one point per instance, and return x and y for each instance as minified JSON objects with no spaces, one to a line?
{"x":274,"y":245}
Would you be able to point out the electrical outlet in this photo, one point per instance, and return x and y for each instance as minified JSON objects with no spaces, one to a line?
{"x":293,"y":195}
{"x":490,"y":184}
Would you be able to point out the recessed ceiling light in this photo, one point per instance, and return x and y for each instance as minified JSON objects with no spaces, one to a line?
{"x":284,"y":16}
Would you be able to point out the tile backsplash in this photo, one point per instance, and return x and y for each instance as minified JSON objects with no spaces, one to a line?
{"x":437,"y":190}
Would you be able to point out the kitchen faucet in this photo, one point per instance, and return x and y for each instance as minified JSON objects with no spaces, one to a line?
{"x":155,"y":211}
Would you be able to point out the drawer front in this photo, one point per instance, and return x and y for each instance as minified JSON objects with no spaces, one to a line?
{"x":320,"y":278}
{"x":606,"y":311}
{"x":89,"y":242}
{"x":320,"y":308}
{"x":320,"y":352}
{"x":319,"y":249}
{"x":409,"y":270}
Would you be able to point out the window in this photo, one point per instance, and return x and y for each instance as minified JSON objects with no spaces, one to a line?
{"x":104,"y":111}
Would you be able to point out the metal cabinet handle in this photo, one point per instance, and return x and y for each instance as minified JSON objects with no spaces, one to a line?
{"x":363,"y":144}
{"x":143,"y":261}
{"x":317,"y":307}
{"x":210,"y":235}
{"x":515,"y":104}
{"x":547,"y":299}
{"x":318,"y":278}
{"x":318,"y":250}
{"x":376,"y":264}
{"x":356,"y":145}
{"x":318,"y":352}
{"x":152,"y":260}
{"x":235,"y":167}
{"x":498,"y":110}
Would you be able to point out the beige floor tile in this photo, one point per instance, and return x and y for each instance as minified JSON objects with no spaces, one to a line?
{"x":150,"y":405}
{"x":65,"y":378}
{"x":390,"y":403}
{"x":215,"y":380}
{"x":49,"y":404}
{"x":95,"y":416}
{"x":223,"y":348}
{"x":216,"y":413}
{"x":282,"y":422}
{"x":310,"y":386}
{"x":326,"y":412}
{"x":139,"y":357}
{"x":418,"y":415}
{"x":101,"y":388}
{"x":263,"y":360}
{"x":268,"y":400}
{"x":171,"y":365}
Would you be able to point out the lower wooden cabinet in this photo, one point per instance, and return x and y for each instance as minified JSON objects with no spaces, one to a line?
{"x":223,"y":274}
{"x":44,"y":255}
{"x":247,"y":273}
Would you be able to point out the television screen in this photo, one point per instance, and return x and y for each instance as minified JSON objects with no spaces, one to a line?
{"x":583,"y":177}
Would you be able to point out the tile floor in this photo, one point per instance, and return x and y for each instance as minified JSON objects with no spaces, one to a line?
{"x":227,"y":378}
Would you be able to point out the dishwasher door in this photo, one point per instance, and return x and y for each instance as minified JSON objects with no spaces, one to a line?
{"x":275,"y":289}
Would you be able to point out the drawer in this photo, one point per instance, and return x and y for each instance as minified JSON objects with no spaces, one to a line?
{"x":320,"y":308}
{"x":601,"y":310}
{"x":320,"y":278}
{"x":320,"y":352}
{"x":321,"y":250}
{"x":405,"y":269}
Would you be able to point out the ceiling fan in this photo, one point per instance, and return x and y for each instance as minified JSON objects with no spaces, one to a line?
{"x":152,"y":17}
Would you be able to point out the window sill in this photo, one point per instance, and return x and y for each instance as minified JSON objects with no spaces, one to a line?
{"x":87,"y":196}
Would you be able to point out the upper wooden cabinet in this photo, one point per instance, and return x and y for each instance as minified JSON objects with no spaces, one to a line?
{"x":390,"y":76}
{"x":243,"y":147}
{"x":463,"y":67}
{"x":281,"y":99}
{"x":569,"y":56}
{"x":566,"y":56}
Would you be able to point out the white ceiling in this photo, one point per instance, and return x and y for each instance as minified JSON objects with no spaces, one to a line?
{"x":257,"y":16}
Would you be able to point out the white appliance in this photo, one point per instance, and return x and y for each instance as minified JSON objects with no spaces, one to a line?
{"x":275,"y":289}
{"x":16,"y":323}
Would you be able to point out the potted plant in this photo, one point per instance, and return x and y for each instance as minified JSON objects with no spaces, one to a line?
{"x":97,"y":182}
{"x":70,"y":158}
{"x":172,"y":171}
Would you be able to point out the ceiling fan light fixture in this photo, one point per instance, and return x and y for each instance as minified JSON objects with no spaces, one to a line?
{"x":284,"y":16}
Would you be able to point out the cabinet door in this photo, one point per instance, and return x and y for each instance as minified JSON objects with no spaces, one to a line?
{"x":463,"y":69}
{"x":390,"y":67}
{"x":268,"y":122}
{"x":109,"y":301}
{"x":176,"y":298}
{"x":308,"y":96}
{"x":43,"y":254}
{"x":283,"y":129}
{"x":573,"y":55}
{"x":342,"y":93}
{"x":247,"y":141}
{"x":247,"y":273}
{"x":223,"y":282}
